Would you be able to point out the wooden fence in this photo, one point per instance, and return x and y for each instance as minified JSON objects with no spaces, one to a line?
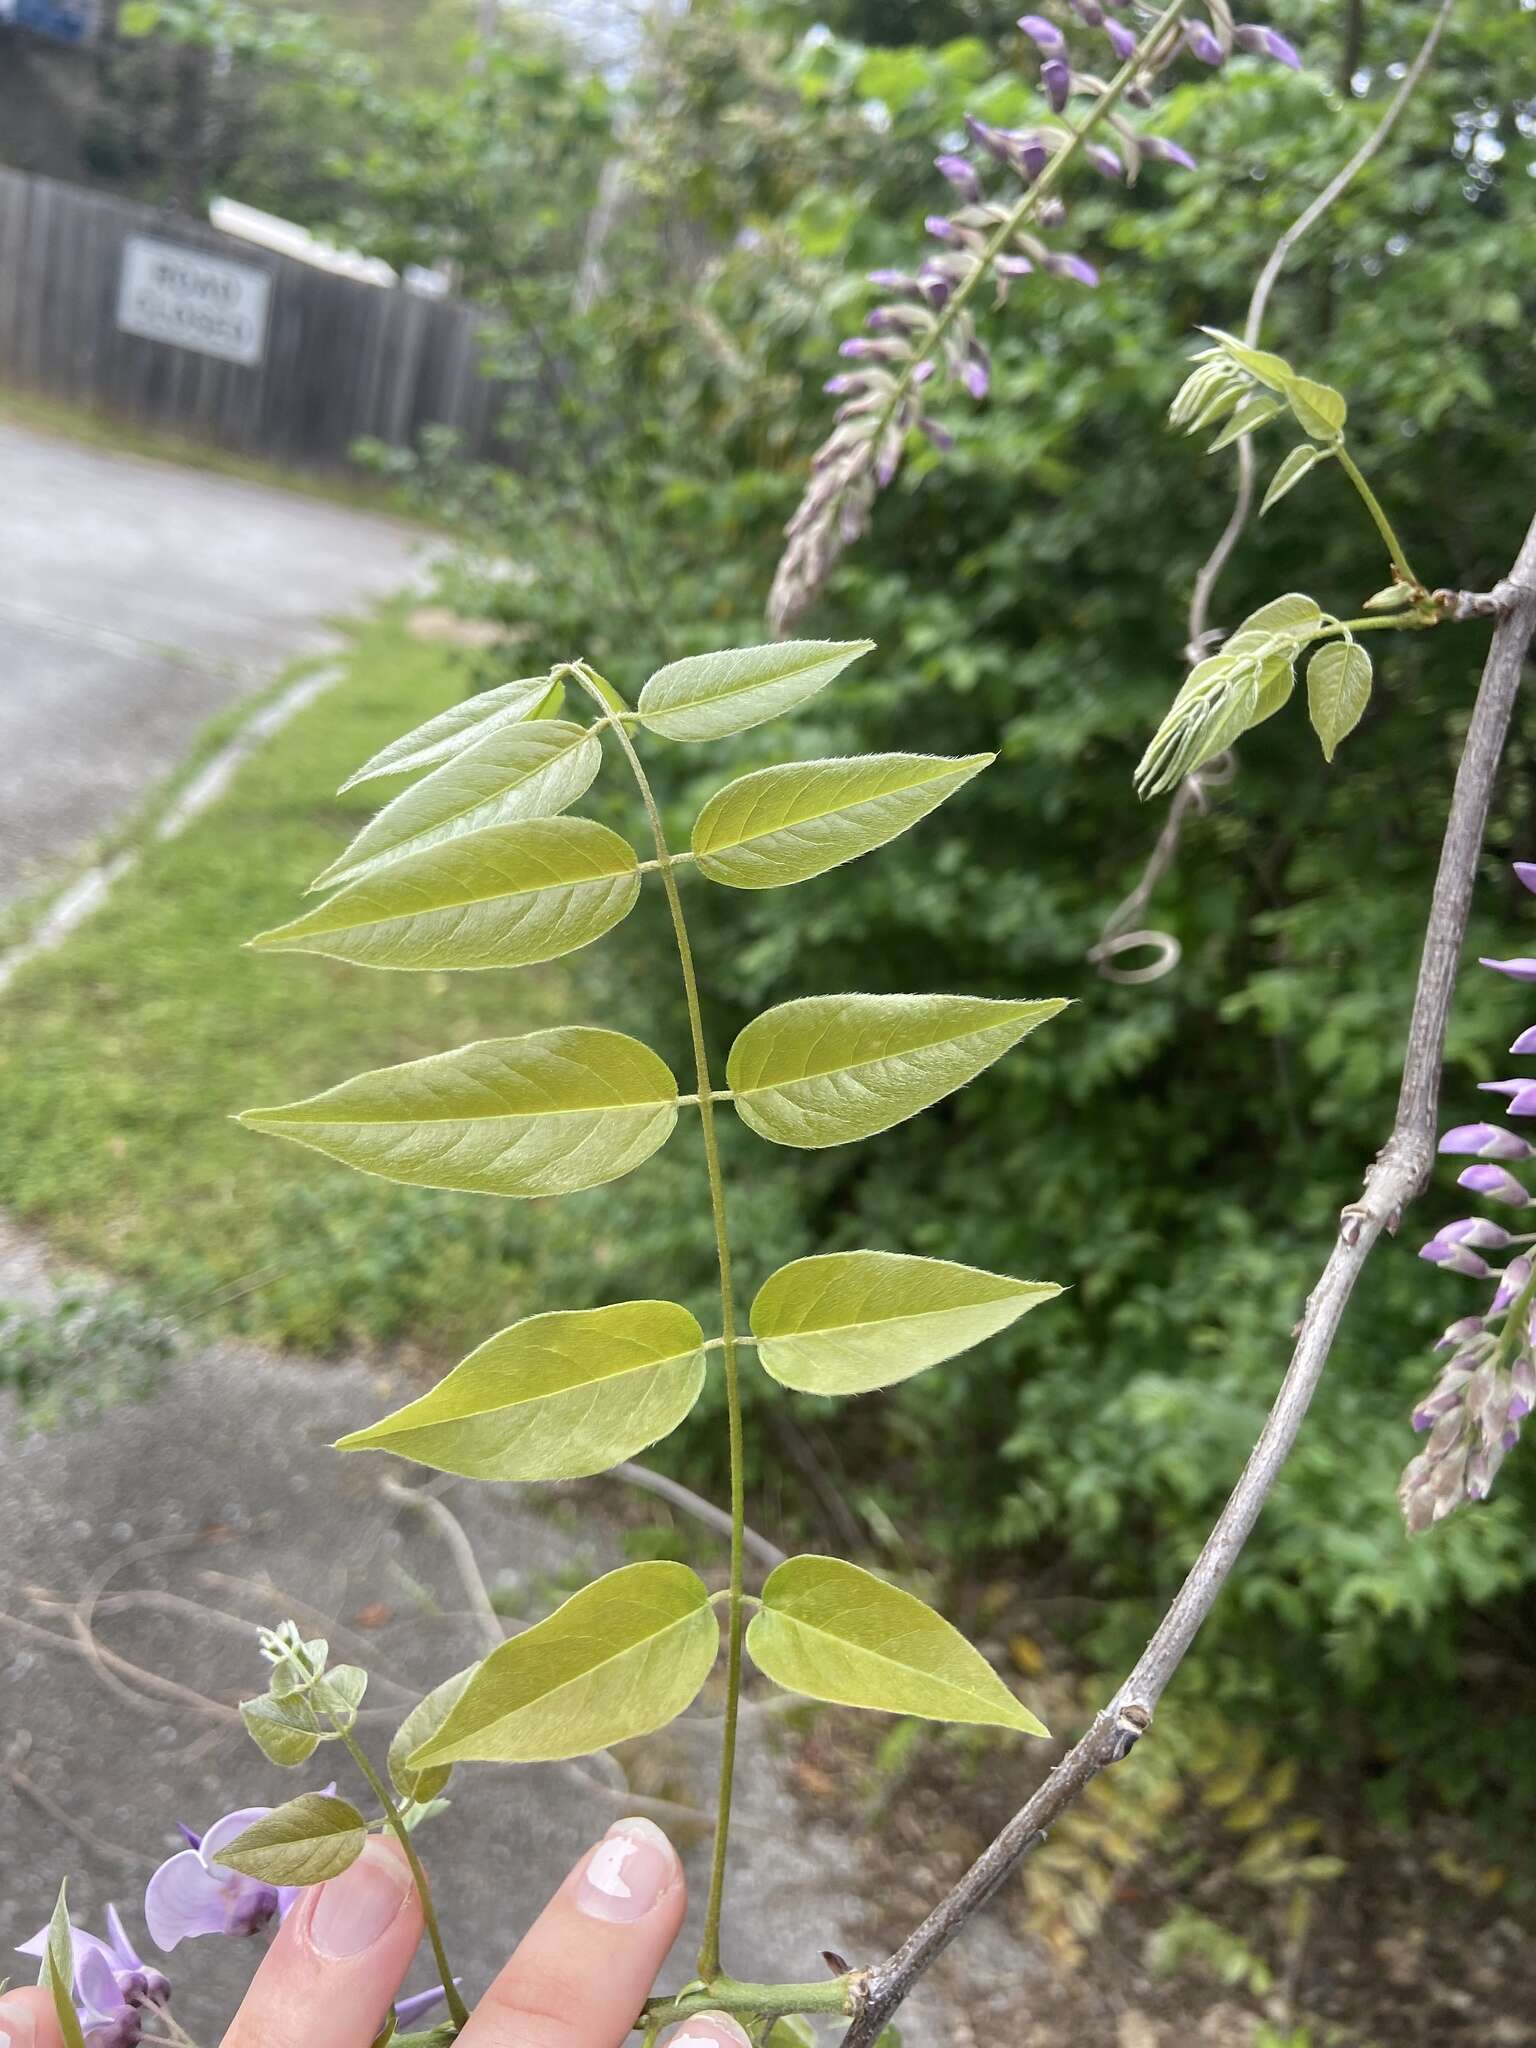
{"x":165,"y":320}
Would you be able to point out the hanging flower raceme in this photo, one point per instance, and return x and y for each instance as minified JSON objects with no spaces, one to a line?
{"x":1487,"y":1386}
{"x":114,"y":1991}
{"x":1004,"y":193}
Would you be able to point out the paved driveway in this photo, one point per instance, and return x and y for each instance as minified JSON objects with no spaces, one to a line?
{"x":136,"y":599}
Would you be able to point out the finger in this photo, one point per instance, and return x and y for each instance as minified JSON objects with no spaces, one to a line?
{"x":707,"y":2030}
{"x":582,"y":1971}
{"x":333,"y":1972}
{"x":27,"y":2021}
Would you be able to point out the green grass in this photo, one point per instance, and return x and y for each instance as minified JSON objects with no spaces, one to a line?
{"x":124,"y":1054}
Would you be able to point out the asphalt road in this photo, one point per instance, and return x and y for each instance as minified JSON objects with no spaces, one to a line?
{"x":138,"y":598}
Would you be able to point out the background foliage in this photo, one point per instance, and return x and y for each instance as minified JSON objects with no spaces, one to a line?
{"x":1176,"y":1152}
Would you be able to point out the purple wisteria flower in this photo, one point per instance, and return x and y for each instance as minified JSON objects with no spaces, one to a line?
{"x":192,"y":1893}
{"x":1487,"y":1386}
{"x":408,"y":2010}
{"x":112,"y":1986}
{"x":990,"y":232}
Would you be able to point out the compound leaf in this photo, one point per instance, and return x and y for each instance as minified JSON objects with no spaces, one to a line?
{"x":708,"y":696}
{"x":829,"y":1069}
{"x":460,"y":726}
{"x":786,"y":824}
{"x":846,"y":1322}
{"x":546,"y":1114}
{"x":517,"y":771}
{"x":560,"y":1396}
{"x":506,"y":897}
{"x":832,"y":1631}
{"x":418,"y":1728}
{"x":1338,"y":690}
{"x":310,"y":1839}
{"x":621,"y":1658}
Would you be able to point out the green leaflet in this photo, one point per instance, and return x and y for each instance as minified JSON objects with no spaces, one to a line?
{"x":517,"y":771}
{"x":1338,"y":690}
{"x":546,"y":1114}
{"x":560,"y":1396}
{"x":418,"y":1728}
{"x":833,"y":1632}
{"x":829,"y":1069}
{"x":621,"y":1658}
{"x":708,"y":696}
{"x":846,"y":1322}
{"x":1295,"y":615}
{"x":286,"y":1731}
{"x":784,"y":825}
{"x":460,"y":726}
{"x":311,"y":1838}
{"x":1254,"y":412}
{"x":57,"y":1974}
{"x":1268,"y":368}
{"x":1290,"y":473}
{"x":506,"y":897}
{"x":1320,"y":410}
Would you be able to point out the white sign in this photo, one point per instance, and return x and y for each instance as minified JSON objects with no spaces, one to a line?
{"x":193,"y":300}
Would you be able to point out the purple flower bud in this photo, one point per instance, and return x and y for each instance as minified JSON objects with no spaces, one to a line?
{"x":1202,"y":42}
{"x":1103,"y":160}
{"x":1045,"y":35}
{"x":1479,"y":1231}
{"x":1525,"y":871}
{"x":941,"y":437}
{"x":893,"y":281}
{"x":1525,"y":1044}
{"x":1459,"y":1332}
{"x":922,"y":373}
{"x":1267,"y":42}
{"x":1517,"y":970}
{"x":961,"y":174}
{"x":1122,"y":40}
{"x":1456,"y":1258}
{"x":1484,"y":1141}
{"x":975,"y":371}
{"x":1157,"y":149}
{"x":1012,"y":266}
{"x":941,"y":229}
{"x":1090,"y":12}
{"x":845,"y":385}
{"x":861,"y":349}
{"x":1062,"y":263}
{"x":1051,"y":212}
{"x":1512,"y":1282}
{"x":1056,"y":80}
{"x":1522,"y":1383}
{"x":1445,"y":1400}
{"x":1497,"y":1183}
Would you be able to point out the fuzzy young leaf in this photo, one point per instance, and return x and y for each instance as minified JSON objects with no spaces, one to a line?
{"x":709,"y":696}
{"x":1290,"y":473}
{"x":507,"y":897}
{"x":459,"y":727}
{"x":1338,"y":690}
{"x":287,"y":1732}
{"x":339,"y":1694}
{"x":560,"y":1396}
{"x":621,"y":1658}
{"x":1253,"y":413}
{"x":57,"y":1975}
{"x":787,"y":824}
{"x":418,"y":1728}
{"x":517,"y":772}
{"x":832,"y":1631}
{"x":542,"y":1115}
{"x":847,"y":1322}
{"x":1320,"y":410}
{"x":1260,"y":363}
{"x":1295,"y":615}
{"x":310,"y":1839}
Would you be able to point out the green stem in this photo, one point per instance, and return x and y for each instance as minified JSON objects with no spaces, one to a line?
{"x":402,"y":1834}
{"x":756,"y":2001}
{"x":1392,"y":622}
{"x":1025,"y":210}
{"x":709,"y":1953}
{"x":1384,"y":526}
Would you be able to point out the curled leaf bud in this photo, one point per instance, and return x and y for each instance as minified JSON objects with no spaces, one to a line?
{"x":1045,"y":35}
{"x":1262,"y":41}
{"x":1517,"y":970}
{"x":961,"y":174}
{"x":1497,"y":1183}
{"x":1484,"y":1141}
{"x":1203,"y":42}
{"x":1056,"y":79}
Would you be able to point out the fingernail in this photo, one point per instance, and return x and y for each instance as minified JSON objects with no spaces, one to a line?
{"x":17,"y":2030}
{"x":707,"y":2030}
{"x":355,"y":1909}
{"x":628,"y":1871}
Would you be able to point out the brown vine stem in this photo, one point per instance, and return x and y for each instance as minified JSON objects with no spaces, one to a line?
{"x":1116,"y":936}
{"x":1398,"y":1173}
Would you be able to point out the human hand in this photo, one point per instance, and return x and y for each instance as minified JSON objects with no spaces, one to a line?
{"x":577,"y":1980}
